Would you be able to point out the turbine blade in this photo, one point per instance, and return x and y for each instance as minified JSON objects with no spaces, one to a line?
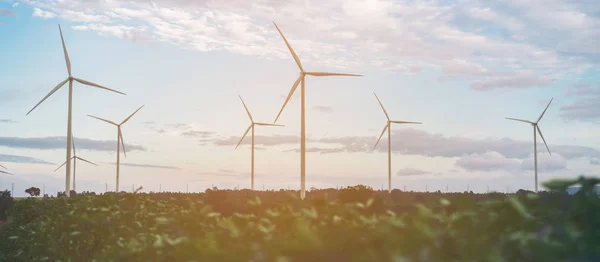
{"x":520,"y":120}
{"x":267,"y":124}
{"x":86,"y":161}
{"x":384,"y":111}
{"x":85,"y":82}
{"x":542,"y":136}
{"x":290,"y":48}
{"x":102,"y":119}
{"x":49,"y":94}
{"x":61,"y":166}
{"x":405,"y":122}
{"x":3,"y":167}
{"x":73,"y":144}
{"x":122,"y":142}
{"x":542,"y":115}
{"x":65,"y":51}
{"x":4,"y":172}
{"x":245,"y":133}
{"x":288,"y":97}
{"x":127,"y":119}
{"x":382,"y":132}
{"x":329,"y":74}
{"x":247,"y":111}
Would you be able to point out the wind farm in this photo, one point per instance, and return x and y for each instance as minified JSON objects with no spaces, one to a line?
{"x":387,"y":128}
{"x":70,"y":80}
{"x":120,"y":141}
{"x":251,"y":127}
{"x":75,"y":158}
{"x":447,"y":77}
{"x":536,"y":130}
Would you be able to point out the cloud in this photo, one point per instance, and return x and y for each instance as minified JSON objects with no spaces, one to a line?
{"x":226,"y":170}
{"x":546,"y":163}
{"x":15,"y":4}
{"x":194,"y":133}
{"x":324,"y":109}
{"x":59,"y":142}
{"x":482,"y":41}
{"x":8,"y":121}
{"x":23,"y":159}
{"x":124,"y":32}
{"x":595,"y":161}
{"x":488,"y":161}
{"x":585,"y":107}
{"x":149,"y":123}
{"x":258,"y":140}
{"x":514,"y":81}
{"x":146,"y":166}
{"x":419,"y":142}
{"x":6,"y":12}
{"x":43,"y":14}
{"x":411,"y":172}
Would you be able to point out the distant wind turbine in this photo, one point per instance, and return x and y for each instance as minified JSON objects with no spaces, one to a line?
{"x":536,"y":127}
{"x":4,"y":172}
{"x":119,"y":138}
{"x":75,"y":157}
{"x":301,"y":79}
{"x":252,"y":124}
{"x":69,"y":79}
{"x":387,"y":128}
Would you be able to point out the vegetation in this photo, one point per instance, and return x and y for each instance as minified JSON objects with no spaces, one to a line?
{"x":33,"y":191}
{"x":352,"y":224}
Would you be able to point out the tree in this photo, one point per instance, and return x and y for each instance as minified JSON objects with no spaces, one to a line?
{"x":33,"y":191}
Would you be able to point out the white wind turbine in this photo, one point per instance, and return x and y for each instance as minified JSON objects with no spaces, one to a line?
{"x":69,"y":79}
{"x":387,"y":128}
{"x":252,"y":124}
{"x":119,"y":138}
{"x":535,"y":127}
{"x":301,"y":79}
{"x":75,"y":158}
{"x":4,"y":172}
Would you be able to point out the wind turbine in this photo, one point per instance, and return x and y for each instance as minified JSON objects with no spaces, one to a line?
{"x":69,"y":79}
{"x":252,"y":124}
{"x":75,"y":157}
{"x":301,"y":79}
{"x":4,"y":172}
{"x":119,"y":138}
{"x":536,"y":127}
{"x":387,"y":128}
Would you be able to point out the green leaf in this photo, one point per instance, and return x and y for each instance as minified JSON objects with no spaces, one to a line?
{"x":559,"y":184}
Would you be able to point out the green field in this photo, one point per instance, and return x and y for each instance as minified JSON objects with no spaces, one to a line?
{"x":352,"y":224}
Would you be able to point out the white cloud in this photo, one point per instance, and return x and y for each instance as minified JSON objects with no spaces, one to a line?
{"x":546,"y":163}
{"x":411,"y":172}
{"x":488,"y":161}
{"x":15,"y":4}
{"x":494,"y":44}
{"x":43,"y":14}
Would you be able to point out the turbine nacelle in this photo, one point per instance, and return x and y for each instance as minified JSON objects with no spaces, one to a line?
{"x":535,"y":124}
{"x":389,"y":122}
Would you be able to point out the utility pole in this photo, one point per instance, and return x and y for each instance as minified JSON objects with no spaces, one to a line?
{"x":488,"y":189}
{"x":187,"y":189}
{"x":467,"y":187}
{"x":159,"y":188}
{"x":426,"y":189}
{"x":105,"y":187}
{"x":12,"y":189}
{"x":446,"y":188}
{"x":404,"y":188}
{"x":43,"y":189}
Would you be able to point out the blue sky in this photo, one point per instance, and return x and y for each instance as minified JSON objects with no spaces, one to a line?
{"x":459,"y":67}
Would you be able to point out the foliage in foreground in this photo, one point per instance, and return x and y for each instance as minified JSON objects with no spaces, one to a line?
{"x":140,"y":227}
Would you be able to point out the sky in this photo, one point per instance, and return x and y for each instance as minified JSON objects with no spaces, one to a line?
{"x":460,"y":67}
